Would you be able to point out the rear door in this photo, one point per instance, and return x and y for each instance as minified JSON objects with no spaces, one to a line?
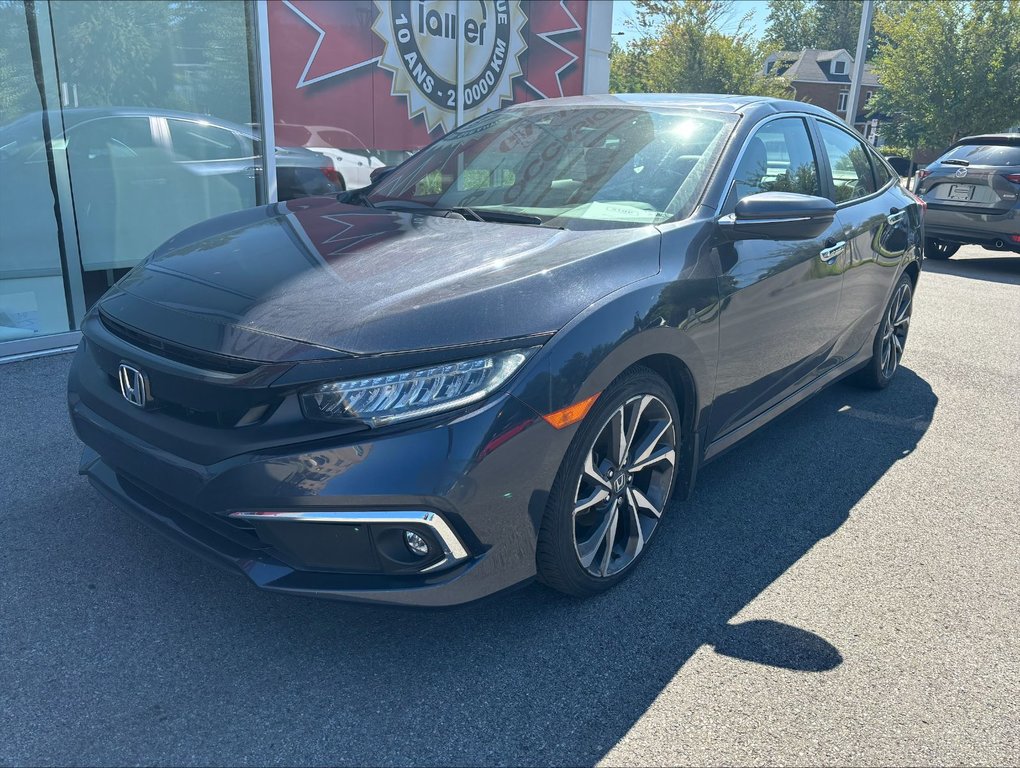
{"x":779,"y":297}
{"x":875,"y":223}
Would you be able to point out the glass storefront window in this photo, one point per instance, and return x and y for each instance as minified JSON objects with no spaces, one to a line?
{"x":33,"y":301}
{"x":121,"y":123}
{"x":155,"y":97}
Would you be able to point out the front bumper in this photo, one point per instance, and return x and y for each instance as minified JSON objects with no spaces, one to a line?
{"x":319,"y":520}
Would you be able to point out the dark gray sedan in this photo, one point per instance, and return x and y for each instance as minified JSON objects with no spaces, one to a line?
{"x":973,"y":195}
{"x":502,"y":359}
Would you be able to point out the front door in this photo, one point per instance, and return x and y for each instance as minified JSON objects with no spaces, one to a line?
{"x":779,"y":298}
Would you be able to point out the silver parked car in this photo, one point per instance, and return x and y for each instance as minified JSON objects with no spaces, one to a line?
{"x":973,"y":196}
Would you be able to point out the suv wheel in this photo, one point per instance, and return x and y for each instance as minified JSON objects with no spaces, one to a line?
{"x":936,"y":249}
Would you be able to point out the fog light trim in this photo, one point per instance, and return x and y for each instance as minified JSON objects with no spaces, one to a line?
{"x":453,"y":549}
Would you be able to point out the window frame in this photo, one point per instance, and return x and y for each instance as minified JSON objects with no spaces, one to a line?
{"x":827,"y":180}
{"x":841,"y":62}
{"x":235,"y":136}
{"x":726,"y":206}
{"x":844,"y":101}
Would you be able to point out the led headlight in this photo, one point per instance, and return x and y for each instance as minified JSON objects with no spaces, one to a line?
{"x":391,"y":397}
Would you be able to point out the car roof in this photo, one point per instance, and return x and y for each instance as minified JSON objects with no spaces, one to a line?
{"x":75,"y":115}
{"x":718,"y":102}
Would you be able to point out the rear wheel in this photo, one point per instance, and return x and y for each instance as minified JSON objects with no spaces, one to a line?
{"x":937,"y":249}
{"x":891,"y":338}
{"x":612,"y":487}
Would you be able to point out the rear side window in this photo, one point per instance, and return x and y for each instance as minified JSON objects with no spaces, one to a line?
{"x":198,"y":141}
{"x":882,"y":172}
{"x":985,"y":154}
{"x":848,"y":164}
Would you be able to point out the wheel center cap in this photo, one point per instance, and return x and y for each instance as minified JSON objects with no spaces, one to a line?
{"x":619,"y":482}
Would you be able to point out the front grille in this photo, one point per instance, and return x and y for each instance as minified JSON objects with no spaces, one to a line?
{"x":177,"y":352}
{"x":232,"y":529}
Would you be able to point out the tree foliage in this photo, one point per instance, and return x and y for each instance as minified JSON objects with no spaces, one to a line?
{"x":790,"y":25}
{"x":681,"y":48}
{"x":183,"y":54}
{"x":826,"y":24}
{"x":948,"y":69}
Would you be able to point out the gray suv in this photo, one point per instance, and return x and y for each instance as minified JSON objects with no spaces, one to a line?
{"x":973,"y":196}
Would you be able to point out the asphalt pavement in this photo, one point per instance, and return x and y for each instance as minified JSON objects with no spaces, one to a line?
{"x":843,"y":588}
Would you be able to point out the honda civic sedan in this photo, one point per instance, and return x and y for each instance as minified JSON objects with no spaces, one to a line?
{"x":502,"y":359}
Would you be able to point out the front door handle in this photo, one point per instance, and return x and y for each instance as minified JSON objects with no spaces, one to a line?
{"x":832,"y":252}
{"x":895,"y":218}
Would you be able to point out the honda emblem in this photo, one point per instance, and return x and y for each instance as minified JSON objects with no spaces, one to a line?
{"x":133,"y":385}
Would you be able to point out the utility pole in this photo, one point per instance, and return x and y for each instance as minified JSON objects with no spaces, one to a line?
{"x":858,"y":74}
{"x":459,"y":115}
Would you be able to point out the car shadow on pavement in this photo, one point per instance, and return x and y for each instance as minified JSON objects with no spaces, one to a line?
{"x":143,"y":653}
{"x":1004,"y":268}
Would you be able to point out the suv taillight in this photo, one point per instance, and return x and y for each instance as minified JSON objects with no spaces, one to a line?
{"x":332,"y":174}
{"x":924,"y":173}
{"x":1014,"y":177}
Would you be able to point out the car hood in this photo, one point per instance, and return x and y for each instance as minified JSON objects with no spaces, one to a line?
{"x":315,"y":278}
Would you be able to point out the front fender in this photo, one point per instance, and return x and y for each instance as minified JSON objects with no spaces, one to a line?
{"x":658,"y":316}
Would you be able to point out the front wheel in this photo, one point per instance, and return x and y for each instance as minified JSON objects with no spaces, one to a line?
{"x":891,"y":338}
{"x":937,"y":249}
{"x":612,"y":487}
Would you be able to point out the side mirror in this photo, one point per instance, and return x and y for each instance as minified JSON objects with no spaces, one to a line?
{"x":378,"y":174}
{"x":778,"y":216}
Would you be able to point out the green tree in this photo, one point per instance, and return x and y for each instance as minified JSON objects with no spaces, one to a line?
{"x":681,"y":48}
{"x":825,"y":24}
{"x":115,"y":53}
{"x":837,"y":23}
{"x":18,"y":91}
{"x":791,"y":25}
{"x":948,"y":69}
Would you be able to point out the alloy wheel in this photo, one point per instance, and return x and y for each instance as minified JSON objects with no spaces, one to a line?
{"x":894,"y":329}
{"x":623,"y":488}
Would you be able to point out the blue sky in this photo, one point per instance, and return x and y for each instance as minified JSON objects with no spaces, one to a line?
{"x":624,"y":9}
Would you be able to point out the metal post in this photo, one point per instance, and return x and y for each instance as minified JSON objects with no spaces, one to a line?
{"x":460,"y":63}
{"x":867,"y":11}
{"x":266,"y":93}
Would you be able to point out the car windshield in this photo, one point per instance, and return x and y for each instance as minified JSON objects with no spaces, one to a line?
{"x":574,"y":167}
{"x":984,"y":154}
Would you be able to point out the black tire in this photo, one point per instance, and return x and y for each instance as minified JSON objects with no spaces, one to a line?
{"x":881,"y":369}
{"x":644,"y":395}
{"x":938,"y":249}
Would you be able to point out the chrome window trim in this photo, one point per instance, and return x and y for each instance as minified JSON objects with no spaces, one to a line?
{"x":453,"y":550}
{"x":802,"y":116}
{"x":731,"y":218}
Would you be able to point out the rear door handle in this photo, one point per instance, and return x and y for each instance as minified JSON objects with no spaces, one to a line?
{"x":895,"y":218}
{"x":832,"y":252}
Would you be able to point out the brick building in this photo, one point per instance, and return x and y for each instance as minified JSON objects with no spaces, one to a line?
{"x":823,"y":78}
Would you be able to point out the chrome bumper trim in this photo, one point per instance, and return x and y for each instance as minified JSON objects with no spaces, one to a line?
{"x":453,"y":549}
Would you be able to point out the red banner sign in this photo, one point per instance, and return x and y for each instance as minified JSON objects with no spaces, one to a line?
{"x":382,"y":74}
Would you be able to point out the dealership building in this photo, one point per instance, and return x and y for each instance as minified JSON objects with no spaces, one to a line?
{"x":125,"y":121}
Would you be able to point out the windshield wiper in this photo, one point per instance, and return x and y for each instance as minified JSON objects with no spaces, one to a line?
{"x":506,"y":217}
{"x":355,"y":197}
{"x":955,"y":161}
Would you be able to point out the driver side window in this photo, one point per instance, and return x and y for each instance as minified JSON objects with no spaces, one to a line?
{"x":777,"y":158}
